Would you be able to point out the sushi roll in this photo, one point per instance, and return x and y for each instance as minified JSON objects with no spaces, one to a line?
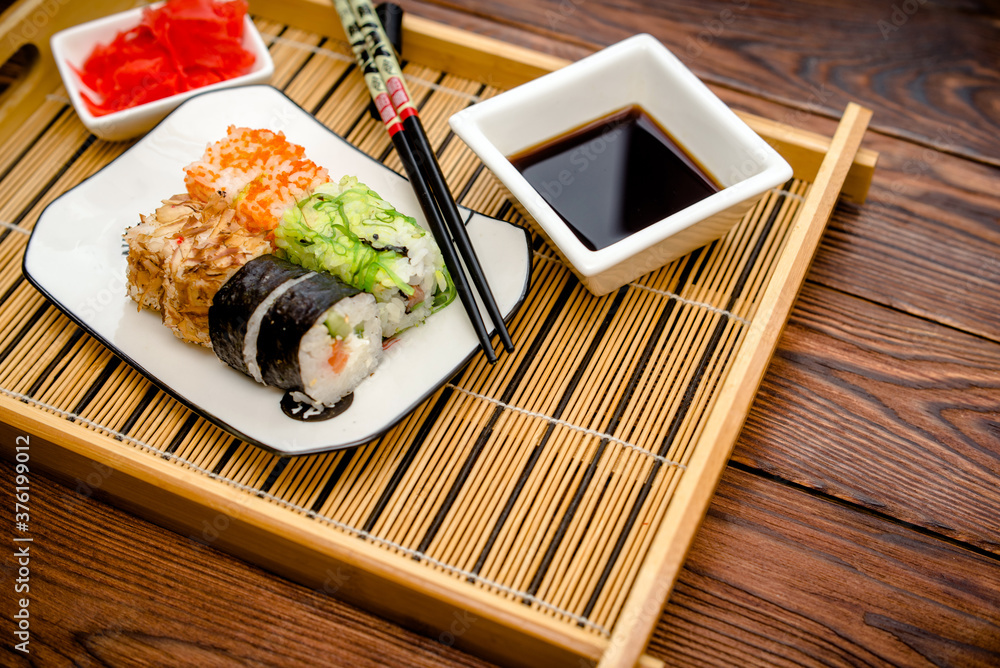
{"x":346,"y":229}
{"x":258,"y":171}
{"x":181,"y":254}
{"x":303,"y":331}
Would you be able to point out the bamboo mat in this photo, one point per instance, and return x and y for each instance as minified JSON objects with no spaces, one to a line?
{"x":541,"y":479}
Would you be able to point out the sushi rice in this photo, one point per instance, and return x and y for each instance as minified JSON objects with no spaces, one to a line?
{"x":259,"y":171}
{"x":253,"y":327}
{"x":302,"y":331}
{"x":328,"y":376}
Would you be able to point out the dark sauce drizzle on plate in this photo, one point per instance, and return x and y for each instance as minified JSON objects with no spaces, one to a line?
{"x":614,"y":176}
{"x":309,"y":413}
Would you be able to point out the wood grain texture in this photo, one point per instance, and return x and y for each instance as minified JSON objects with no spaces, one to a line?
{"x":927,"y":241}
{"x":858,"y":524}
{"x":820,"y":584}
{"x":889,"y":412}
{"x":108,"y":589}
{"x":928,"y":70}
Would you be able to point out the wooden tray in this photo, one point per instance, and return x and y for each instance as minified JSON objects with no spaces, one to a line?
{"x":535,"y":512}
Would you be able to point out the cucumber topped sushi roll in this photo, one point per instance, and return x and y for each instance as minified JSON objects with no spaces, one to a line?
{"x":299,"y":330}
{"x":351,"y":232}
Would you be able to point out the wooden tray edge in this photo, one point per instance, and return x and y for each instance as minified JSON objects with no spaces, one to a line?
{"x":33,"y":22}
{"x":139,"y":482}
{"x":656,"y":578}
{"x":353,"y":570}
{"x":435,"y":45}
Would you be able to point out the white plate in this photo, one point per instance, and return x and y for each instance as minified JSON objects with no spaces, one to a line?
{"x":76,"y":258}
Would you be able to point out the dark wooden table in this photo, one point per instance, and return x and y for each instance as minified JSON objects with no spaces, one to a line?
{"x":859,"y":519}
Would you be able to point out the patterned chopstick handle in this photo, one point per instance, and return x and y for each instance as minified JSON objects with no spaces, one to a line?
{"x":373,"y":79}
{"x":385,"y":58}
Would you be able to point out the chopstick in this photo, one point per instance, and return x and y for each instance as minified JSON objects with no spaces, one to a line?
{"x":378,"y":64}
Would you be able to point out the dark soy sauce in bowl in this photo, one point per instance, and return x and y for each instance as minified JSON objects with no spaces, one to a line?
{"x":614,"y":176}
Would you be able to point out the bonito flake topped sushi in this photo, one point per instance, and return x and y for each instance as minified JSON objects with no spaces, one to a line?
{"x":181,"y":254}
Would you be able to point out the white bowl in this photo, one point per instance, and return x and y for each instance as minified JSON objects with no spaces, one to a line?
{"x":72,"y":46}
{"x":638,"y":70}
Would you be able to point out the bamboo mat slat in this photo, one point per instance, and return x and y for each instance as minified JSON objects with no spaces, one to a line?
{"x":540,"y":480}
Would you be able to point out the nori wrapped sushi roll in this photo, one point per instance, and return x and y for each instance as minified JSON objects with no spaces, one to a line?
{"x":299,"y":330}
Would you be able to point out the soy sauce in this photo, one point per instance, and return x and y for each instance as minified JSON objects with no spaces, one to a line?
{"x":614,"y":176}
{"x":297,"y":410}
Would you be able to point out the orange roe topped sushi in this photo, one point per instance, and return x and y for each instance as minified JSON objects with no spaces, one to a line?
{"x":260,"y":171}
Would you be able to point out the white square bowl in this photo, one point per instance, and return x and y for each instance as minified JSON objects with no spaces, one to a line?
{"x":637,"y":71}
{"x":72,"y":46}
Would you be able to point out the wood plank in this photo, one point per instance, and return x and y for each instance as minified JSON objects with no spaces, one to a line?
{"x":875,"y":54}
{"x":926,"y":241}
{"x":655,"y":579}
{"x":140,"y":594}
{"x":782,"y":577}
{"x":884,"y":410}
{"x":752,"y":593}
